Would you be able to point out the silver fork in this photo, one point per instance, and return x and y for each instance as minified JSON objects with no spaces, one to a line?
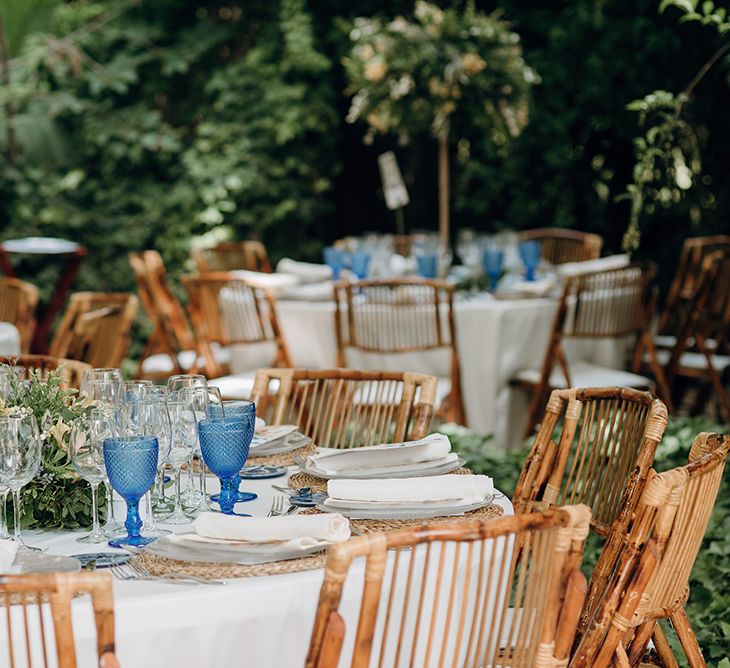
{"x":277,"y":506}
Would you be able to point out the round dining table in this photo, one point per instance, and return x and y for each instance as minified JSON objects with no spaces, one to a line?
{"x":255,"y":621}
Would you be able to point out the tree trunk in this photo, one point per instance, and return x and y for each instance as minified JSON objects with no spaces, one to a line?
{"x":5,"y":82}
{"x":444,"y":235}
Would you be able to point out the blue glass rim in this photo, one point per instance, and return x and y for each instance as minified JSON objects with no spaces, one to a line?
{"x":227,"y":424}
{"x":130,"y":442}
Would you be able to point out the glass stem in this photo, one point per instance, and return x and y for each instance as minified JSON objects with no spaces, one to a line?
{"x":3,"y":514}
{"x":95,"y":527}
{"x":16,"y":517}
{"x":178,"y":493}
{"x":151,"y":524}
{"x":133,"y":522}
{"x":109,"y":501}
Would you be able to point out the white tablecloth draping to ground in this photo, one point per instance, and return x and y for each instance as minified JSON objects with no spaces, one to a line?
{"x":260,"y":621}
{"x":9,"y":339}
{"x":495,"y":339}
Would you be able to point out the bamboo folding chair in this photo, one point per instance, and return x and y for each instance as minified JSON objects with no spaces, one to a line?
{"x":95,"y":328}
{"x":344,"y":408}
{"x":611,"y":304}
{"x":225,"y":310}
{"x":458,"y":594}
{"x":170,"y":348}
{"x":232,"y":255}
{"x":18,"y":301}
{"x":71,"y":370}
{"x":388,"y":317}
{"x":702,"y":349}
{"x":685,"y":285}
{"x":650,"y":581}
{"x":30,"y":635}
{"x":558,"y":246}
{"x":602,"y":456}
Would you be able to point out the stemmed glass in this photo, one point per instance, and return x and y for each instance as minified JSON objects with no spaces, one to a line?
{"x":87,"y":454}
{"x":224,"y":443}
{"x":20,"y":460}
{"x":530,"y":255}
{"x":108,"y":374}
{"x":4,"y":491}
{"x":131,"y":464}
{"x":239,"y":409}
{"x":493,"y":259}
{"x":335,"y":259}
{"x":182,"y":447}
{"x":152,"y":419}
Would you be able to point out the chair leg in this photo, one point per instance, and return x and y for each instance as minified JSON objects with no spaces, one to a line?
{"x":640,"y":641}
{"x":663,"y":650}
{"x":687,"y":638}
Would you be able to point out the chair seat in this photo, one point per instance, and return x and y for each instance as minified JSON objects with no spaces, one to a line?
{"x":664,"y":340}
{"x":161,"y":363}
{"x":695,"y":361}
{"x":586,"y":374}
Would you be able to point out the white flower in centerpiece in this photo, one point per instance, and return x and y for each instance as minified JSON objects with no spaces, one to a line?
{"x":58,"y":431}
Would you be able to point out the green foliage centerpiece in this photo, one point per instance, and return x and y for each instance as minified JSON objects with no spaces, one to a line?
{"x":439,"y":72}
{"x":57,"y":498}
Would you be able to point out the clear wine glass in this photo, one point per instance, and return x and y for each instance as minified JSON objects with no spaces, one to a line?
{"x":4,"y":491}
{"x":20,"y":460}
{"x":108,"y":374}
{"x":87,"y":454}
{"x":182,"y":446}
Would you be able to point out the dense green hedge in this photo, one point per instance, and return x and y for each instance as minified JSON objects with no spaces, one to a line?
{"x":710,"y":581}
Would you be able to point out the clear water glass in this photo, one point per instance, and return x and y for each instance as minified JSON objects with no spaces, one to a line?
{"x":182,"y":447}
{"x":107,"y":374}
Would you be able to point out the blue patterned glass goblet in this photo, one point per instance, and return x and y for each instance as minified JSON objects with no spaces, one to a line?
{"x":493,"y":264}
{"x":360,"y":264}
{"x":530,"y":256}
{"x":131,"y":465}
{"x":224,"y":444}
{"x":428,"y":265}
{"x":237,"y":408}
{"x":335,"y":259}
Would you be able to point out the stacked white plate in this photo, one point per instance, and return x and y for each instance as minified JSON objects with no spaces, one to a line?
{"x":277,"y":439}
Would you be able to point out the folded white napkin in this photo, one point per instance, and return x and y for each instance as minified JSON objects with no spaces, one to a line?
{"x":537,"y":288}
{"x":261,"y":279}
{"x":271,"y":433}
{"x":300,"y":530}
{"x":8,"y":550}
{"x":591,"y":266}
{"x":442,"y":491}
{"x":306,"y":272}
{"x":432,"y":448}
{"x":313,"y":292}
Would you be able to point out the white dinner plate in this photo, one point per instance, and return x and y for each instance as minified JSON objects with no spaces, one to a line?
{"x":361,"y":474}
{"x":404,"y":513}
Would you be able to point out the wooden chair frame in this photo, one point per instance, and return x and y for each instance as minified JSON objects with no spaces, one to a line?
{"x":560,"y":535}
{"x":231,"y":255}
{"x":95,"y":328}
{"x":260,"y":319}
{"x":171,"y":333}
{"x":18,"y":302}
{"x":650,"y":580}
{"x":391,"y":339}
{"x":559,"y":245}
{"x":579,"y":316}
{"x":344,"y":408}
{"x":72,"y":370}
{"x":686,"y":281}
{"x":26,"y":591}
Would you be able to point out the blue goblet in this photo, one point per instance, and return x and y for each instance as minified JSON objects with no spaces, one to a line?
{"x":493,"y":263}
{"x":224,"y":444}
{"x":335,"y":259}
{"x":428,"y":265}
{"x":131,"y":466}
{"x":530,"y":256}
{"x":360,"y":264}
{"x":233,"y":409}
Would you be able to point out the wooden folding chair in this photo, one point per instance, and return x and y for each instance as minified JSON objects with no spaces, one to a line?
{"x":72,"y":370}
{"x":344,"y":408}
{"x":685,"y":284}
{"x":18,"y":301}
{"x":95,"y":328}
{"x":30,"y":635}
{"x":702,"y":349}
{"x":457,"y":594}
{"x":559,"y":246}
{"x":231,"y":255}
{"x":170,"y":348}
{"x":650,"y":579}
{"x":225,"y":310}
{"x":389,"y":317}
{"x":612,"y":304}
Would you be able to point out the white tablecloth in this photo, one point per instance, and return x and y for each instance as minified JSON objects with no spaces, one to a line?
{"x":262,"y":621}
{"x":9,"y":339}
{"x":495,"y":339}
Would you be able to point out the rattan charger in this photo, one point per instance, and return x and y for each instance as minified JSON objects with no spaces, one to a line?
{"x":284,"y":458}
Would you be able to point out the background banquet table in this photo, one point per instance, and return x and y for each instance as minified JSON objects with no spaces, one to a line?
{"x":9,"y":339}
{"x":256,"y":621}
{"x":495,"y":339}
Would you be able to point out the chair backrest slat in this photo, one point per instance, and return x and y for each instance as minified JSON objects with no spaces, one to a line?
{"x":467,"y":596}
{"x":559,"y":246}
{"x":344,"y":408}
{"x":232,"y":255}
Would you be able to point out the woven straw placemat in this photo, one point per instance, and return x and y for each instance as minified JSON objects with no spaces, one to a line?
{"x":301,"y":479}
{"x":283,"y":459}
{"x":160,"y":565}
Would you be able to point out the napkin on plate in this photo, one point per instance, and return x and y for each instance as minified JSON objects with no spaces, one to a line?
{"x":8,"y":550}
{"x":275,"y":282}
{"x":591,"y":266}
{"x":267,"y":534}
{"x":306,"y":272}
{"x":271,"y":433}
{"x":430,"y":451}
{"x":441,"y":491}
